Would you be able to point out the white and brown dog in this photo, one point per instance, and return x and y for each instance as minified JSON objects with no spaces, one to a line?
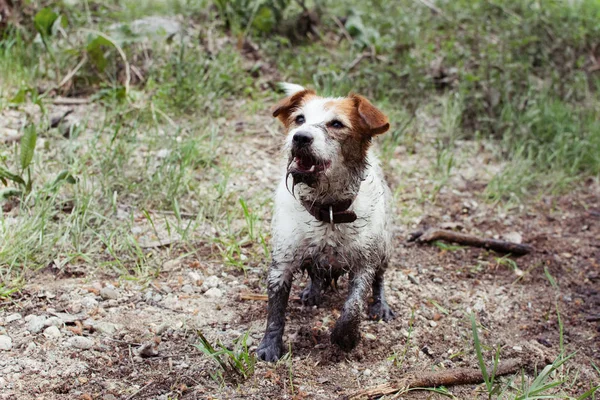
{"x":332,"y":212}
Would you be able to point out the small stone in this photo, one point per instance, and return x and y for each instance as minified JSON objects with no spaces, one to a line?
{"x":80,"y":342}
{"x":194,"y":276}
{"x":54,"y":321}
{"x":210,"y":283}
{"x":370,"y":336}
{"x":36,"y":324}
{"x":5,"y":342}
{"x":108,"y":293}
{"x":187,"y":289}
{"x":514,"y":237}
{"x":438,"y":280}
{"x":147,"y":349}
{"x":163,"y":328}
{"x":367,"y":372}
{"x":89,"y":302}
{"x":109,"y":397}
{"x":214,"y":293}
{"x":106,"y":328}
{"x":30,"y":348}
{"x":433,"y":324}
{"x":52,"y":332}
{"x":13,"y":317}
{"x":413,"y":279}
{"x":518,"y":349}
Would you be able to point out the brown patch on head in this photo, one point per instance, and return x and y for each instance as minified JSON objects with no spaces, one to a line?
{"x":287,"y":106}
{"x":365,"y":120}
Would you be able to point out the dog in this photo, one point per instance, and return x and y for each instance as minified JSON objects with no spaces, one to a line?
{"x":332,"y":212}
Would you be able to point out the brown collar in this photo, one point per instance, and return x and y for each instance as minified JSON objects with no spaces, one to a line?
{"x":339,"y":211}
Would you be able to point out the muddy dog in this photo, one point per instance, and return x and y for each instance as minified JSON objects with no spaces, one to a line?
{"x":332,"y":212}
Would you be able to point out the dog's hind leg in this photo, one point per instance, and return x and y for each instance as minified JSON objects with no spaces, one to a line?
{"x":379,"y":309}
{"x":280,"y":283}
{"x":346,"y":332}
{"x":312,"y":295}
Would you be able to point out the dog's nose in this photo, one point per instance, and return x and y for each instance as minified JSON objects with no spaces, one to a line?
{"x":302,"y":138}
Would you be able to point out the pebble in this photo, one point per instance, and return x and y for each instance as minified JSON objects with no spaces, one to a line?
{"x":147,"y":349}
{"x":36,"y":324}
{"x":5,"y":342}
{"x":80,"y":342}
{"x":52,"y":332}
{"x":108,"y":293}
{"x":106,"y":328}
{"x":13,"y":317}
{"x":438,"y":280}
{"x":433,"y":324}
{"x":210,"y":283}
{"x":367,"y":372}
{"x":413,"y":279}
{"x":89,"y":302}
{"x":518,"y":348}
{"x":187,"y":289}
{"x":214,"y":293}
{"x":53,"y":321}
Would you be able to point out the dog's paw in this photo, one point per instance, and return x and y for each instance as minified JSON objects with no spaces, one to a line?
{"x":311,"y":295}
{"x":270,"y":349}
{"x":345,"y":337}
{"x":381,"y":311}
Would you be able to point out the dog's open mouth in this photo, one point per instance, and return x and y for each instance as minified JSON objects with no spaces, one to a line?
{"x":307,"y":164}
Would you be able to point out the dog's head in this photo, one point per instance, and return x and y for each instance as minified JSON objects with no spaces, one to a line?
{"x":327,"y":138}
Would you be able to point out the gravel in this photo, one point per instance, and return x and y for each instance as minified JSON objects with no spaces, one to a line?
{"x":52,"y":332}
{"x":109,"y":293}
{"x":36,"y":324}
{"x":5,"y":342}
{"x":214,"y":293}
{"x":211,"y":282}
{"x":80,"y":342}
{"x":13,"y":317}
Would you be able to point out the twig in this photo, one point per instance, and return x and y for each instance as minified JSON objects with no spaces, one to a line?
{"x":343,"y":29}
{"x":143,"y":388}
{"x":72,"y":73}
{"x":431,"y":6}
{"x":68,"y":101}
{"x":260,"y":297}
{"x":11,"y":138}
{"x":500,"y":246}
{"x":458,"y":376}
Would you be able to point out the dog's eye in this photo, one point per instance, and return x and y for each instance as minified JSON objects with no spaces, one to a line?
{"x":300,"y":119}
{"x":336,"y":124}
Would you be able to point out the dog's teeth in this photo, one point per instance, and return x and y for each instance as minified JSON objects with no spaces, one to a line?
{"x":312,"y":169}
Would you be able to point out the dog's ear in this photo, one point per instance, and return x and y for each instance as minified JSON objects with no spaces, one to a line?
{"x":375,"y":121}
{"x":285,"y":107}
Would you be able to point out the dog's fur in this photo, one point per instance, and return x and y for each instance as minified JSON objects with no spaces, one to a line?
{"x":329,"y":163}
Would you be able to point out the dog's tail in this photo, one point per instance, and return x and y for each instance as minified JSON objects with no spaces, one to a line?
{"x":290,"y":88}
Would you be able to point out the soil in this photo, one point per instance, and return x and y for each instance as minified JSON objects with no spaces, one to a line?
{"x":439,"y":287}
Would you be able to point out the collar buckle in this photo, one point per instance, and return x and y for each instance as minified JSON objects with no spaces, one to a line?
{"x":331,"y":218}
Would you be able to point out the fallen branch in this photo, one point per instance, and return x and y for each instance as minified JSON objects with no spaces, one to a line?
{"x":422,"y":380}
{"x":261,"y":297}
{"x":431,"y":235}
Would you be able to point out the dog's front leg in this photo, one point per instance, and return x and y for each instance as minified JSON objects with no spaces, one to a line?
{"x":346,"y":333}
{"x":280,"y":283}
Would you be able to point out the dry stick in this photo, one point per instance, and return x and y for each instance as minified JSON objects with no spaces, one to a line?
{"x":261,"y":297}
{"x":449,"y":377}
{"x":500,"y":246}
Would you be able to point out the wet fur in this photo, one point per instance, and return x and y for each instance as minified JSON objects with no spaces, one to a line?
{"x":301,"y":243}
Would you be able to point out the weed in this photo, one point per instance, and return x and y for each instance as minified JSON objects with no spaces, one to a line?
{"x":236,"y":363}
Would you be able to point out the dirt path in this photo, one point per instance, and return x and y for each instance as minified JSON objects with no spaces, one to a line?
{"x":86,"y":334}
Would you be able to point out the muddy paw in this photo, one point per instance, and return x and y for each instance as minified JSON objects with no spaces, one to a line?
{"x":311,"y":295}
{"x":381,"y":311}
{"x":345,"y":337}
{"x":270,"y":348}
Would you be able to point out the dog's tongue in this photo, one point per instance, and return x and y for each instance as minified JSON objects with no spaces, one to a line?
{"x":304,"y":163}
